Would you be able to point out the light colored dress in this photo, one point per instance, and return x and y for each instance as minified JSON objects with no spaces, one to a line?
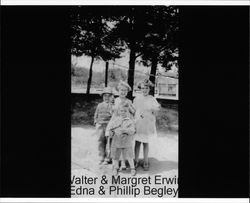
{"x":115,"y":119}
{"x":145,"y":120}
{"x":121,"y":140}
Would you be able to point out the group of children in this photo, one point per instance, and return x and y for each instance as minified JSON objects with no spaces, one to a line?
{"x":123,"y":124}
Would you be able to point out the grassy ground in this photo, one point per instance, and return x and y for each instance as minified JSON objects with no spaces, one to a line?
{"x":83,"y":109}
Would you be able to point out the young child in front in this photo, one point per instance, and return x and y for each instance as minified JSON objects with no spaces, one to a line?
{"x":102,"y":117}
{"x":123,"y":89}
{"x":121,"y":130}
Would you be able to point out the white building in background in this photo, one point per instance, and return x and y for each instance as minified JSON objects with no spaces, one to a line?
{"x":167,"y":86}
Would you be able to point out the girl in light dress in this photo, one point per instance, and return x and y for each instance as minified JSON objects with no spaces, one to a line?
{"x":123,"y":89}
{"x":146,"y":107}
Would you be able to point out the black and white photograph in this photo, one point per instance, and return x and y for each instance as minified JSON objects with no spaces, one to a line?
{"x":111,"y":102}
{"x":124,"y":100}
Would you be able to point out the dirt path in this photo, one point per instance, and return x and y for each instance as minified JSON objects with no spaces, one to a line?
{"x":163,"y":163}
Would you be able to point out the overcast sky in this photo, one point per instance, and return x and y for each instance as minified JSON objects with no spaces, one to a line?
{"x":99,"y":65}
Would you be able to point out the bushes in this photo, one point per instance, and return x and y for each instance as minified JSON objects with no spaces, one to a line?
{"x":167,"y":119}
{"x":83,"y":109}
{"x":79,"y":77}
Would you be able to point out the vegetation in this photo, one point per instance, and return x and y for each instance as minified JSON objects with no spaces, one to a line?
{"x":150,"y":33}
{"x":90,"y":36}
{"x":79,"y":77}
{"x":82,"y":113}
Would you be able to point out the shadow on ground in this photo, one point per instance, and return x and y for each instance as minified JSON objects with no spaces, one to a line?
{"x":156,"y":167}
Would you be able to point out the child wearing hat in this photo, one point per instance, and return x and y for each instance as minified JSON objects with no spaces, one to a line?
{"x":146,"y":107}
{"x":121,"y":130}
{"x":102,"y":117}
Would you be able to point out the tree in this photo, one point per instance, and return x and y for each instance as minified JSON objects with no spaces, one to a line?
{"x":90,"y":36}
{"x":106,"y":73}
{"x":170,"y":55}
{"x":131,"y":27}
{"x":160,"y":44}
{"x":148,"y":32}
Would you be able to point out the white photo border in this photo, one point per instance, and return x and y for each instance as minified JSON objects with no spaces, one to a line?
{"x":125,"y":2}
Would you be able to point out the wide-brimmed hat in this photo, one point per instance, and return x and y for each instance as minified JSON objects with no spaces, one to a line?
{"x":145,"y":82}
{"x":107,"y":90}
{"x":124,"y":84}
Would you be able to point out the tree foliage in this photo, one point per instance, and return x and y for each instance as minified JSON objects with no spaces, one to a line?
{"x":91,"y":36}
{"x":149,"y":32}
{"x":151,"y":35}
{"x":131,"y":27}
{"x":160,"y":44}
{"x":162,"y":37}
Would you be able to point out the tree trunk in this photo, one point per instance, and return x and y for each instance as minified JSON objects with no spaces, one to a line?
{"x":106,"y":73}
{"x":153,"y":74}
{"x":131,"y":71}
{"x":132,"y":54}
{"x":90,"y":76}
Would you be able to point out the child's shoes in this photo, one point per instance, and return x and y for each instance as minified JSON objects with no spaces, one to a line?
{"x":100,"y":162}
{"x":106,"y":162}
{"x":115,"y":171}
{"x":133,"y":172}
{"x":136,"y":164}
{"x":123,"y":166}
{"x":145,"y":166}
